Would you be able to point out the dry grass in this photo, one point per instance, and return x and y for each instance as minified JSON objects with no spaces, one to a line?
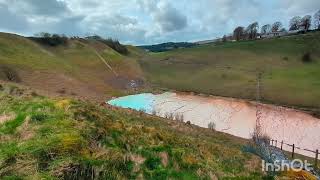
{"x":300,"y":175}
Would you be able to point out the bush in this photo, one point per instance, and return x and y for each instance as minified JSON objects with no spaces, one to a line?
{"x":112,"y":43}
{"x":169,"y":116}
{"x":179,"y":117}
{"x":9,"y":74}
{"x":212,"y":126}
{"x":153,"y":163}
{"x":306,"y":58}
{"x":115,"y":45}
{"x":51,"y":40}
{"x":154,"y":112}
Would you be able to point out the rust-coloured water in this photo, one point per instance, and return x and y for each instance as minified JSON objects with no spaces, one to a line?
{"x":238,"y":117}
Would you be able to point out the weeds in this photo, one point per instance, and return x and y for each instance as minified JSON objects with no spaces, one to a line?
{"x":154,"y":112}
{"x":9,"y":74}
{"x":212,"y":126}
{"x":39,"y":117}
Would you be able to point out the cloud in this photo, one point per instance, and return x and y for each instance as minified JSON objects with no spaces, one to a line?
{"x":72,"y":26}
{"x":298,"y":7}
{"x":165,"y":17}
{"x":12,"y":22}
{"x":146,"y":21}
{"x":38,"y":7}
{"x":169,"y":19}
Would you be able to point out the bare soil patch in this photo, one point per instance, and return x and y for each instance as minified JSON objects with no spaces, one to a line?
{"x":6,"y":117}
{"x":121,"y":82}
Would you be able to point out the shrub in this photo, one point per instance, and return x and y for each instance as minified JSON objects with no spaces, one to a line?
{"x":115,"y":45}
{"x":306,"y":58}
{"x":112,"y":43}
{"x":9,"y":74}
{"x":153,"y":163}
{"x":179,"y":117}
{"x":154,"y":112}
{"x":169,"y":116}
{"x":51,"y":40}
{"x":212,"y":126}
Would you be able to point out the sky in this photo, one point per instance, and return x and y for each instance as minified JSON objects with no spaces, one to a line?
{"x":140,"y":22}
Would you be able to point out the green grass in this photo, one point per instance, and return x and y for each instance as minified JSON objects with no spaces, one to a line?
{"x":75,"y":65}
{"x":10,"y":126}
{"x":230,"y":69}
{"x":72,"y":139}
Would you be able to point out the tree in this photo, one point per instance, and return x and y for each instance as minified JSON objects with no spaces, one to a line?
{"x":266,"y":29}
{"x":252,"y":30}
{"x":238,"y":33}
{"x":306,"y":22}
{"x":295,"y":23}
{"x":283,"y":30}
{"x":316,"y":18}
{"x":224,"y":38}
{"x":44,"y":35}
{"x":276,"y":26}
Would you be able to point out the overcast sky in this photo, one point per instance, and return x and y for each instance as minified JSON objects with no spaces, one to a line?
{"x":146,"y":21}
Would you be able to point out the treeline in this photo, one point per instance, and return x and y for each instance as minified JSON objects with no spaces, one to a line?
{"x":57,"y":40}
{"x":50,"y":39}
{"x":296,"y":24}
{"x":167,"y":46}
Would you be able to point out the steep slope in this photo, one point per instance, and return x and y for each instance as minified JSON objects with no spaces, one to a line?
{"x":74,"y":69}
{"x":289,"y":76}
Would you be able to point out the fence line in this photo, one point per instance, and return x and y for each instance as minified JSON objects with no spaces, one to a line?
{"x":294,"y":147}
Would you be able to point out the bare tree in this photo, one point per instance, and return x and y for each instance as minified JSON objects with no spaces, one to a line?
{"x":306,"y":22}
{"x":252,"y":30}
{"x":266,"y":29}
{"x":295,"y":23}
{"x":316,"y":18}
{"x":276,"y":26}
{"x":238,"y":33}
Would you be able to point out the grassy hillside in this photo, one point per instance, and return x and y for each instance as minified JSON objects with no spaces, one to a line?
{"x":73,"y":69}
{"x":43,"y":138}
{"x":230,"y":69}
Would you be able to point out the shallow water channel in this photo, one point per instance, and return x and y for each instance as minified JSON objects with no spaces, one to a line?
{"x":232,"y":116}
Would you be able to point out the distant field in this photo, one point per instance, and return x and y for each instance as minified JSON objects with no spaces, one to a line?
{"x":230,"y":69}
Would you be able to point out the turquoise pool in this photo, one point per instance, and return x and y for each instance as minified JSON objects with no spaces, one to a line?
{"x":144,"y":102}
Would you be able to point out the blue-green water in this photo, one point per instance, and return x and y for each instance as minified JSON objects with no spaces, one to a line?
{"x":144,"y":102}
